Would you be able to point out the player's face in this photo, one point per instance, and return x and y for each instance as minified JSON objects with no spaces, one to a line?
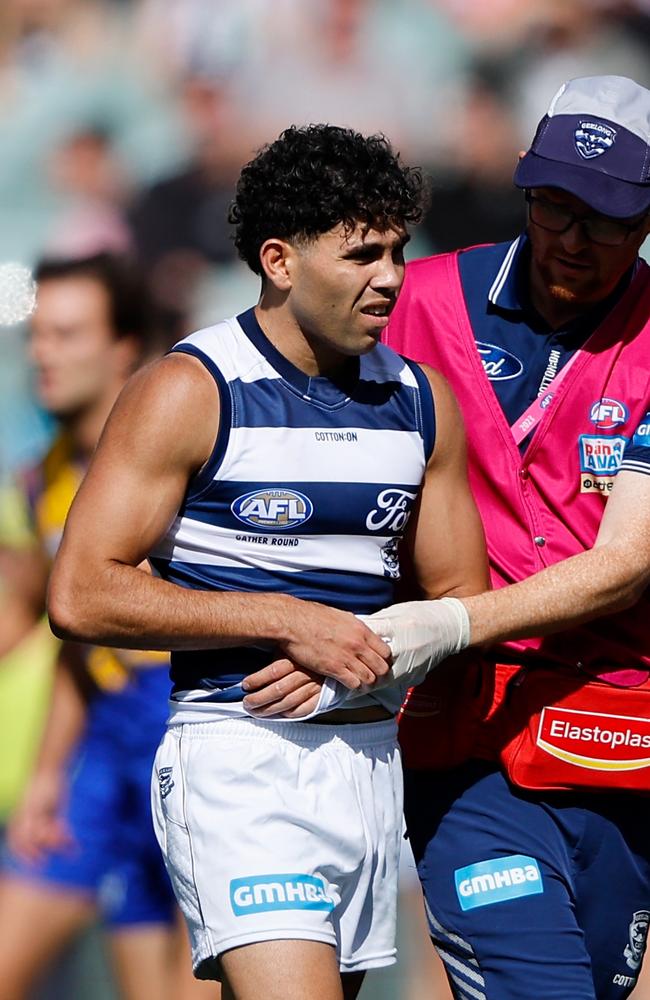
{"x":345,"y":285}
{"x":75,"y":354}
{"x":569,"y":267}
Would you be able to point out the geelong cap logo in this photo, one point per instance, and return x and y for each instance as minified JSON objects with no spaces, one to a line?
{"x":593,"y":139}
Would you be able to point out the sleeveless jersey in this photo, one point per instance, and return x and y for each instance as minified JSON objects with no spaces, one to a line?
{"x":307,"y":492}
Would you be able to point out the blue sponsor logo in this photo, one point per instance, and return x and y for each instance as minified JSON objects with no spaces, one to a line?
{"x":259,"y":893}
{"x":499,"y":364}
{"x":601,"y":455}
{"x":495,"y":881}
{"x":593,"y":139}
{"x":273,"y":509}
{"x":607,"y":413}
{"x":642,"y":433}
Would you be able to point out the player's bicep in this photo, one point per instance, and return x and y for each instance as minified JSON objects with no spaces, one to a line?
{"x":150,"y":448}
{"x":445,"y":539}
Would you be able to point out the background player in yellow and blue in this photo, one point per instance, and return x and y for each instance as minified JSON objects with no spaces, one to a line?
{"x":81,"y":842}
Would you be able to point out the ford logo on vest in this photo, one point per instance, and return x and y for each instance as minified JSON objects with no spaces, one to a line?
{"x":498,"y":363}
{"x":273,"y":509}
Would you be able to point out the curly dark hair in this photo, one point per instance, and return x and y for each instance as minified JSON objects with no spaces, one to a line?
{"x":315,"y":177}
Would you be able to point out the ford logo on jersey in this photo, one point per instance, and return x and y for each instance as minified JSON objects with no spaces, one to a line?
{"x":496,"y":880}
{"x":260,"y":893}
{"x":498,"y":363}
{"x":606,"y":413}
{"x":273,"y":509}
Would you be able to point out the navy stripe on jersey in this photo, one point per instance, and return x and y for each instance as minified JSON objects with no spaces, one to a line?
{"x":264,"y":407}
{"x":349,"y":591}
{"x":428,"y":415}
{"x":339,"y":508}
{"x":205,"y":477}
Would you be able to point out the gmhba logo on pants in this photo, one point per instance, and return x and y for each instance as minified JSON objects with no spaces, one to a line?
{"x":259,"y":893}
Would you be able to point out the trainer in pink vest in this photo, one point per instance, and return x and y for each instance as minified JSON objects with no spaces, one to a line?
{"x":537,"y":509}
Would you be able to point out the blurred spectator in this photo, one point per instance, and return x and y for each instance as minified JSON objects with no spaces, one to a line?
{"x":180,"y":224}
{"x":66,"y":65}
{"x":474,"y":200}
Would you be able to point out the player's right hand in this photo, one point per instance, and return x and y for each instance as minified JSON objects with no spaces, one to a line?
{"x":282,"y":689}
{"x":335,"y":644}
{"x":37,"y":826}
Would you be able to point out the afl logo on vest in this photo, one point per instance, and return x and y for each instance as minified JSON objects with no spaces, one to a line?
{"x":499,"y":364}
{"x":607,"y":413}
{"x":273,"y":509}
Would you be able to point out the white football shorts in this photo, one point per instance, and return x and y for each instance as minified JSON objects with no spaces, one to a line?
{"x":282,"y":830}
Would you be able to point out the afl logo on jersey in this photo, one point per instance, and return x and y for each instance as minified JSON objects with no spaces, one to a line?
{"x":273,"y":509}
{"x":607,"y":413}
{"x":499,"y":364}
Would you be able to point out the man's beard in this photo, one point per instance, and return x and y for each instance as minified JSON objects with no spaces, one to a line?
{"x":562,"y":294}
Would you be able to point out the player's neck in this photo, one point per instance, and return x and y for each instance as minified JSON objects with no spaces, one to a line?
{"x":309,"y":355}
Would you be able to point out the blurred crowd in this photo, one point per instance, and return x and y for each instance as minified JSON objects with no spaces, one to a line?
{"x":124,"y":124}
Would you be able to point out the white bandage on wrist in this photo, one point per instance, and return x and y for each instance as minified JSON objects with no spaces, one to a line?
{"x":420,"y":634}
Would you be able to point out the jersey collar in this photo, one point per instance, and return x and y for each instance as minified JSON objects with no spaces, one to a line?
{"x":504,"y":290}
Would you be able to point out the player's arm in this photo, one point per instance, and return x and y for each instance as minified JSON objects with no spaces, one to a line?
{"x":36,"y":825}
{"x":605,"y":579}
{"x":444,"y":542}
{"x":445,"y":549}
{"x":23,"y":571}
{"x":161,"y":432}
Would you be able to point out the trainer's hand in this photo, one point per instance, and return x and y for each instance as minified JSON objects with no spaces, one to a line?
{"x":336,"y":644}
{"x":282,"y":689}
{"x":421,"y":634}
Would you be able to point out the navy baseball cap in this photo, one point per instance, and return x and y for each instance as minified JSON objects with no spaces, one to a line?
{"x":594,"y":142}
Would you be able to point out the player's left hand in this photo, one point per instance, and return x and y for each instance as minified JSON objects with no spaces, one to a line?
{"x":282,"y":688}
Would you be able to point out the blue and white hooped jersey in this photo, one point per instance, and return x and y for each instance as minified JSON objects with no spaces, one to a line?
{"x":307,"y":492}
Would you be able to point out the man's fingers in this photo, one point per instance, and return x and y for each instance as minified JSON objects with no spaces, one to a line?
{"x":268,"y":675}
{"x":377,"y":644}
{"x":295,"y":705}
{"x":277,"y":690}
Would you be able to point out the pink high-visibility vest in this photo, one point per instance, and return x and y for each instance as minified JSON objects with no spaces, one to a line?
{"x":537,"y":509}
{"x":543,"y":507}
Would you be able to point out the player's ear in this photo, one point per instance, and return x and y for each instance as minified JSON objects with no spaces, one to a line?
{"x":274,"y":258}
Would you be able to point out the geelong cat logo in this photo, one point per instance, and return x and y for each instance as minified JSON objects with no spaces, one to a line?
{"x":593,"y":139}
{"x":275,"y":509}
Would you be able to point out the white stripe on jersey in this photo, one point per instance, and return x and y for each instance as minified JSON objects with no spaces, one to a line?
{"x":204,"y":544}
{"x":252,"y":455}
